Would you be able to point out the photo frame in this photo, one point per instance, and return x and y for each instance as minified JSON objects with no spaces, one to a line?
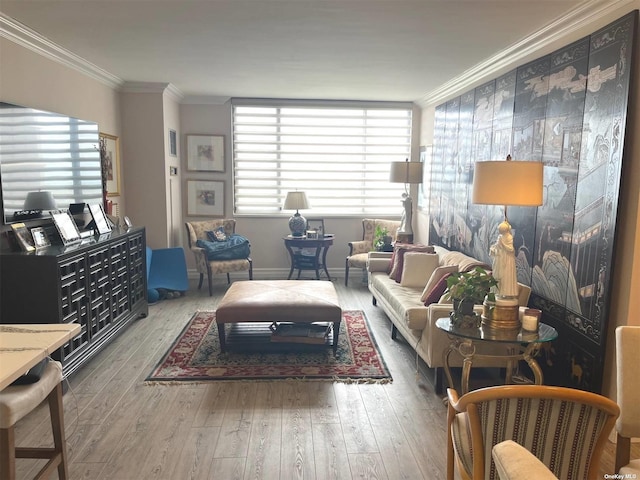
{"x":173,"y":143}
{"x":102,"y":224}
{"x":112,"y":163}
{"x":23,"y":237}
{"x":316,"y":224}
{"x":40,"y":238}
{"x":205,"y":153}
{"x":205,"y":198}
{"x":66,"y":227}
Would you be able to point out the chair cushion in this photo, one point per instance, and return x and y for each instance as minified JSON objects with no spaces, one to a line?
{"x":236,"y":247}
{"x":358,"y":260}
{"x":19,"y":400}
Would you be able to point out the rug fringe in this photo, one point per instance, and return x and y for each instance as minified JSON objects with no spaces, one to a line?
{"x":367,"y":381}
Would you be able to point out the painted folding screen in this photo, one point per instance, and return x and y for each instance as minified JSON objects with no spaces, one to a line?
{"x":568,"y":110}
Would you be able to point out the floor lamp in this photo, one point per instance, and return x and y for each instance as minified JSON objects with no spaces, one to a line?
{"x":408,"y":173}
{"x":507,"y":183}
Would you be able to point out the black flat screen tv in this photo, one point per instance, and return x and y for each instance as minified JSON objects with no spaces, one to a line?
{"x":47,"y":152}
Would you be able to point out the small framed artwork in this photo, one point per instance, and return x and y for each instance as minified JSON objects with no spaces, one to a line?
{"x":315,"y":225}
{"x":100,"y":219}
{"x":40,"y":238}
{"x":423,"y":188}
{"x":173,"y":143}
{"x":111,"y":162}
{"x":23,"y":237}
{"x":205,"y":153}
{"x":205,"y":198}
{"x":66,"y":227}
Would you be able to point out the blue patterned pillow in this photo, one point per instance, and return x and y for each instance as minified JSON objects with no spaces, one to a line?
{"x":217,"y":235}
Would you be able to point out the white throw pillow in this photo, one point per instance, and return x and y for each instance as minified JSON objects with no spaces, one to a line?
{"x":417,"y":268}
{"x":437,"y":274}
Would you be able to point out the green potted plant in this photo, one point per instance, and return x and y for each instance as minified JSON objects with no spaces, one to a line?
{"x":467,"y":289}
{"x":382,"y":239}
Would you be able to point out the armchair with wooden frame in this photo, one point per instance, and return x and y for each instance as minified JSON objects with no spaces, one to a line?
{"x":359,"y":249}
{"x":628,"y":424}
{"x":565,"y":428}
{"x":198,"y":231}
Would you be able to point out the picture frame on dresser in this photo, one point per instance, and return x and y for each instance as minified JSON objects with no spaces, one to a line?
{"x":23,"y":237}
{"x":40,"y":237}
{"x":66,"y":227}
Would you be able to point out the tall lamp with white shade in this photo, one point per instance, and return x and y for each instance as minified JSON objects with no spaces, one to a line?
{"x":408,"y":173}
{"x":507,"y":183}
{"x":297,"y":223}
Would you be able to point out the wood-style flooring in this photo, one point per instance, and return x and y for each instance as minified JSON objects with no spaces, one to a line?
{"x":118,"y":428}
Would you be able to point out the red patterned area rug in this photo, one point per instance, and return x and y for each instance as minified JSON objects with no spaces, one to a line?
{"x":195,"y":357}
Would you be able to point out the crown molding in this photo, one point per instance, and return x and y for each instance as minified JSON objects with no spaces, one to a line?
{"x":205,"y":100}
{"x":574,"y":20}
{"x":153,"y":87}
{"x":22,"y":35}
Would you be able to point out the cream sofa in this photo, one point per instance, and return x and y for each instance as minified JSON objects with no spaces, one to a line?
{"x":408,"y":314}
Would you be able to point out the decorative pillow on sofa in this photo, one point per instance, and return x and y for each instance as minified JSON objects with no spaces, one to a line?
{"x":217,"y":235}
{"x":437,"y":274}
{"x":433,"y":296}
{"x":397,"y":259}
{"x":417,"y":268}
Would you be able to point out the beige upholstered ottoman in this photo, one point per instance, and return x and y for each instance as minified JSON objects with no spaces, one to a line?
{"x":298,"y":301}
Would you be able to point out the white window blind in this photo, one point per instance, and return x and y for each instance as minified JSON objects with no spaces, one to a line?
{"x":338,"y":154}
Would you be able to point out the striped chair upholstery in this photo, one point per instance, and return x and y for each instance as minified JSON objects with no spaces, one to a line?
{"x":564,"y":428}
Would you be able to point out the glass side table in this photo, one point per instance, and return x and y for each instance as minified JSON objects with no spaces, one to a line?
{"x":519,"y":345}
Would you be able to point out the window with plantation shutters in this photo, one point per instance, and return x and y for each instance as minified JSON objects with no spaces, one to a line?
{"x":338,"y":153}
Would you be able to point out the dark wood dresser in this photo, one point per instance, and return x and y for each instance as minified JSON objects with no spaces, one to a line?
{"x":100,"y":284}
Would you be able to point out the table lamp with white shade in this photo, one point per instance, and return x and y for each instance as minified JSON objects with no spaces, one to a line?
{"x":408,"y":173}
{"x":507,"y":183}
{"x":297,"y":223}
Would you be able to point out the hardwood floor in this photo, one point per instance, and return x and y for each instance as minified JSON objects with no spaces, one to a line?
{"x":119,"y":428}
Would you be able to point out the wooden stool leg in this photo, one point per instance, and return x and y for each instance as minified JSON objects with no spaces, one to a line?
{"x":7,"y":453}
{"x":57,"y":425}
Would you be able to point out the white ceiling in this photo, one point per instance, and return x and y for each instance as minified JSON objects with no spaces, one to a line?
{"x":394,"y":50}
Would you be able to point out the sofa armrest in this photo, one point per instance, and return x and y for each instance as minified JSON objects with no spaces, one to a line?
{"x":378,"y":261}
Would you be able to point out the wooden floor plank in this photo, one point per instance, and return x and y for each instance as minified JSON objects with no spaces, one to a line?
{"x":297,"y":460}
{"x":332,"y":460}
{"x":237,"y":421}
{"x":120,"y":428}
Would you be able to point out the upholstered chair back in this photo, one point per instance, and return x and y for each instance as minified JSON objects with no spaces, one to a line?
{"x":563,"y":427}
{"x":369,"y":226}
{"x":198,"y":230}
{"x":628,"y":398}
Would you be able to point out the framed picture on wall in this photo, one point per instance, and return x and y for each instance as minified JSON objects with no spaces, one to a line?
{"x":173,"y":143}
{"x":205,"y":198}
{"x":111,"y":162}
{"x":205,"y":153}
{"x":423,"y":188}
